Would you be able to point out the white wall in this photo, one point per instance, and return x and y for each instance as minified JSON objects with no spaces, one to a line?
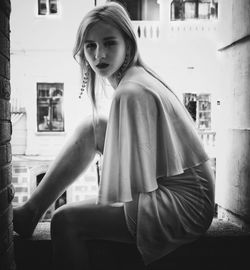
{"x":41,"y":51}
{"x":185,"y":44}
{"x":232,"y":185}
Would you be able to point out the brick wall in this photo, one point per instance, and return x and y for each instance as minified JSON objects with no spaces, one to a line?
{"x":6,"y":192}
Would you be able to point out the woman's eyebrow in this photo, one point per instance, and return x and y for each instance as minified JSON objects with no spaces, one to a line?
{"x":105,"y":39}
{"x":109,"y":38}
{"x":89,"y":41}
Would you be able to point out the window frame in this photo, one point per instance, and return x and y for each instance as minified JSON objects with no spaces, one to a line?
{"x":200,"y":101}
{"x":52,"y":103}
{"x":183,"y":4}
{"x":48,"y":12}
{"x":140,"y":10}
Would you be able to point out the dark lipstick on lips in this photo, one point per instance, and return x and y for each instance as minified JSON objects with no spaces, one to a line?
{"x":102,"y":65}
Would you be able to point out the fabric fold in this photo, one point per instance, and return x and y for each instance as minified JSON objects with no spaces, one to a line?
{"x":149,"y":135}
{"x":128,"y":167}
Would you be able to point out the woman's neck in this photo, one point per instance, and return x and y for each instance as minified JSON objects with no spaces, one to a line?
{"x":115,"y":81}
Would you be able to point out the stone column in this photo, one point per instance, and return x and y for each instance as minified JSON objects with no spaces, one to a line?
{"x":233,"y":160}
{"x":6,"y":190}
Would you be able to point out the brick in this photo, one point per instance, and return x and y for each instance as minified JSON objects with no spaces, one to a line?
{"x":21,"y":189}
{"x":6,"y":218}
{"x":5,"y":175}
{"x":5,"y":45}
{"x":5,"y":132}
{"x":4,"y":89}
{"x":5,"y":110}
{"x":6,"y":196}
{"x":6,"y":238}
{"x":5,"y":154}
{"x":21,"y":170}
{"x":4,"y":67}
{"x":4,"y":23}
{"x":5,"y":6}
{"x":4,"y":203}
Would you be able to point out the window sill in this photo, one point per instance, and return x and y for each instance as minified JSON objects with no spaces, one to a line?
{"x":49,"y":16}
{"x":223,"y":246}
{"x":51,"y":133}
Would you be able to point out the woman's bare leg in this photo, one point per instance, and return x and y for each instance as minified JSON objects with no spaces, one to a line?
{"x":74,"y":158}
{"x":73,"y":224}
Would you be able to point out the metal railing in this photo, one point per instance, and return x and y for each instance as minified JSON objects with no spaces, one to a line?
{"x":152,"y":30}
{"x":208,"y":137}
{"x":147,"y":29}
{"x":16,"y":106}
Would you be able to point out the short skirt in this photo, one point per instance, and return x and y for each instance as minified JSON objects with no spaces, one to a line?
{"x":178,"y":212}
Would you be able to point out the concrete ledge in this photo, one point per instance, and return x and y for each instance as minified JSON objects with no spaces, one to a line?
{"x":224,"y":246}
{"x":228,"y":215}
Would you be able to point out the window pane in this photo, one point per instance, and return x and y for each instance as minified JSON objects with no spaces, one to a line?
{"x":214,"y":9}
{"x":133,"y":7}
{"x":53,"y":6}
{"x":205,"y":105}
{"x":204,"y":120}
{"x":177,"y":10}
{"x":204,"y":108}
{"x":50,"y":107}
{"x":189,"y":10}
{"x":193,"y":9}
{"x":42,"y":7}
{"x":57,"y":116}
{"x":204,"y":9}
{"x":43,"y":119}
{"x":150,"y":10}
{"x":190,"y":102}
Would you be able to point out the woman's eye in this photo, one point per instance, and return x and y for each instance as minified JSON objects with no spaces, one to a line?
{"x":110,"y":43}
{"x":90,"y":46}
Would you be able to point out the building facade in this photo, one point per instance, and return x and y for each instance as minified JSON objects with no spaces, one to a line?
{"x":178,"y":39}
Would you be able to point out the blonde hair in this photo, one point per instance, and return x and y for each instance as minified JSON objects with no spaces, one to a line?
{"x":114,"y":14}
{"x":110,"y":13}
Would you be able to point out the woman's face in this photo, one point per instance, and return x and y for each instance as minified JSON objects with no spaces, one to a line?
{"x":104,"y":49}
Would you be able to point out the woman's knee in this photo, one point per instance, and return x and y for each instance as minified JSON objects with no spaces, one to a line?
{"x":93,"y":132}
{"x":60,"y":222}
{"x":85,"y":128}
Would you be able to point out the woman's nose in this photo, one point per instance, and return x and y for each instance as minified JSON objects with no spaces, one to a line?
{"x":100,"y":53}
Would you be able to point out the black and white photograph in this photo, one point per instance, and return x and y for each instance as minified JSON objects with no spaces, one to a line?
{"x":124,"y":134}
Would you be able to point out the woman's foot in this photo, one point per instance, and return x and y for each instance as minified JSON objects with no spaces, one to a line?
{"x":24,"y":220}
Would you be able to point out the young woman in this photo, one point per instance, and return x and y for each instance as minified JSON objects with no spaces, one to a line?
{"x":157,"y":187}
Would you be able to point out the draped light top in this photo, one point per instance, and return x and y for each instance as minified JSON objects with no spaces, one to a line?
{"x":149,"y":135}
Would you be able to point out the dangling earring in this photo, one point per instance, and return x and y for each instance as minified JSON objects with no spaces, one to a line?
{"x":122,"y":68}
{"x":84,"y":81}
{"x":84,"y":84}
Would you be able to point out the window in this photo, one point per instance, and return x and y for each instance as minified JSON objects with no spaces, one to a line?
{"x":190,"y":102}
{"x":50,"y":107}
{"x":194,"y":9}
{"x":150,"y":10}
{"x":189,"y":10}
{"x":141,"y":10}
{"x":204,"y":111}
{"x":199,"y":107}
{"x":47,"y":7}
